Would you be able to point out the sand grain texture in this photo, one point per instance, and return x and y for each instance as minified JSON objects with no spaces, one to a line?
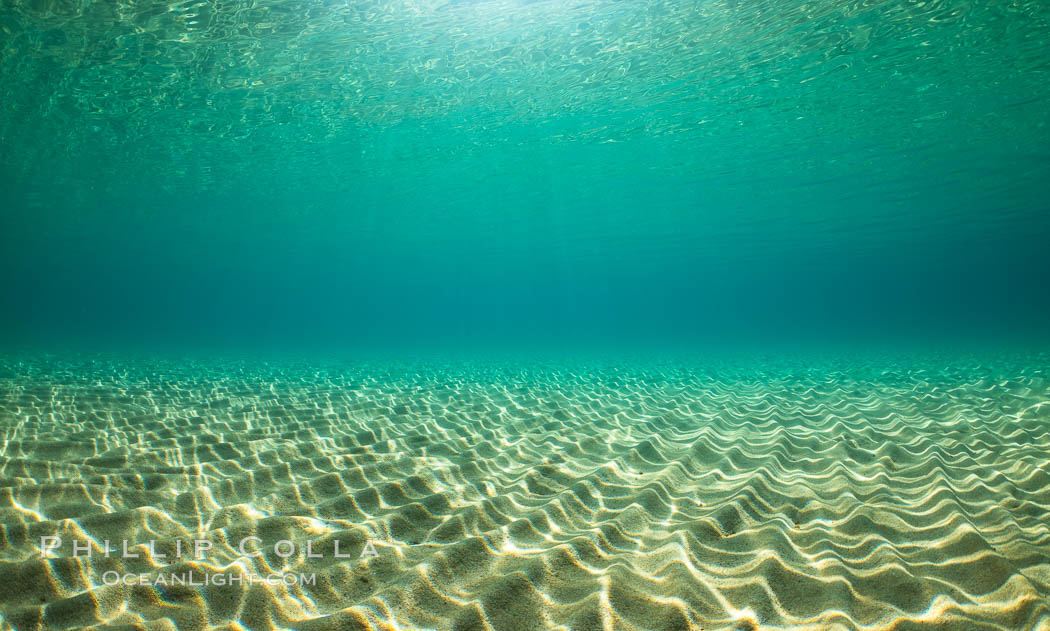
{"x":869,"y":493}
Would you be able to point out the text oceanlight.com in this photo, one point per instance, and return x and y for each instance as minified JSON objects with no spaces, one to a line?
{"x":205,"y":579}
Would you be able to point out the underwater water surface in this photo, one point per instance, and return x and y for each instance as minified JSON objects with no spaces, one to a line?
{"x":484,"y":171}
{"x":524,"y":315}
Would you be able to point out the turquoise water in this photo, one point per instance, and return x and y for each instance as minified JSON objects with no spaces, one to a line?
{"x":480,"y":172}
{"x":555,"y":315}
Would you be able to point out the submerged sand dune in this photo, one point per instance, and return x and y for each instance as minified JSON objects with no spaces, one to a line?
{"x":874,"y":493}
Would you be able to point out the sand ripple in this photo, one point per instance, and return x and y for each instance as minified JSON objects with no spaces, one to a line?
{"x":886,"y":493}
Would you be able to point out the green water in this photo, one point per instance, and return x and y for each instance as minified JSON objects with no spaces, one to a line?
{"x":583,"y":315}
{"x":321,"y":173}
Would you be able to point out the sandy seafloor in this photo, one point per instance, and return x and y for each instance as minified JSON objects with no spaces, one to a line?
{"x":863,"y":492}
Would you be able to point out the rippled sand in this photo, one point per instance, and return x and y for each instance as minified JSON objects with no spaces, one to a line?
{"x":874,"y":493}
